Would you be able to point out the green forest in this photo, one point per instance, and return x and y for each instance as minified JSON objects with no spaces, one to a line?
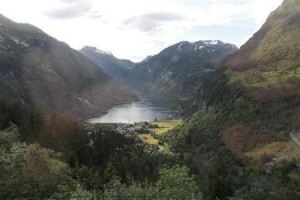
{"x":226,"y":122}
{"x":56,"y":157}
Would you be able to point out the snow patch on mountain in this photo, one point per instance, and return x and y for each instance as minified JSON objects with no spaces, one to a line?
{"x":211,"y":42}
{"x":85,"y":101}
{"x":103,"y":52}
{"x":179,"y":47}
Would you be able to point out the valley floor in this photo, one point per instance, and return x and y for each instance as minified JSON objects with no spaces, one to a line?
{"x":156,"y":129}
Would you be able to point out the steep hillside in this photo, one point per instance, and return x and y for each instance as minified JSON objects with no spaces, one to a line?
{"x":118,"y":69}
{"x":39,"y":70}
{"x":251,"y":107}
{"x":178,"y":69}
{"x":269,"y":63}
{"x":257,"y":91}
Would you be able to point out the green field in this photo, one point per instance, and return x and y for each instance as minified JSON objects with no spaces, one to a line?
{"x":263,"y":79}
{"x":165,"y":125}
{"x":280,"y":150}
{"x":272,"y":149}
{"x":147,"y":138}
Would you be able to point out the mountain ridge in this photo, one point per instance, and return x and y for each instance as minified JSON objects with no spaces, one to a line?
{"x":268,"y":64}
{"x":116,"y":68}
{"x":257,"y":87}
{"x":37,"y":69}
{"x":179,"y":68}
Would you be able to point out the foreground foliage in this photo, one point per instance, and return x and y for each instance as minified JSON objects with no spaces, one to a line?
{"x":174,"y":182}
{"x":33,"y":172}
{"x":61,"y":158}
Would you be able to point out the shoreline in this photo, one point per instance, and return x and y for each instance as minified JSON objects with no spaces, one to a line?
{"x":143,"y":110}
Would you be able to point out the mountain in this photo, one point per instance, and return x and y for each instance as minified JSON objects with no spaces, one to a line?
{"x":268,"y":65}
{"x":178,"y":69}
{"x":42,"y":71}
{"x":116,"y":68}
{"x":257,"y":89}
{"x":249,"y":119}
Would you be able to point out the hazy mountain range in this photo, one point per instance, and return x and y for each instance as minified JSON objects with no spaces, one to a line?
{"x":42,"y":71}
{"x":175,"y":71}
{"x":116,"y":68}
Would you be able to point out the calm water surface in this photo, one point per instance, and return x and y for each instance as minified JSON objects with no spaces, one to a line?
{"x":142,"y":110}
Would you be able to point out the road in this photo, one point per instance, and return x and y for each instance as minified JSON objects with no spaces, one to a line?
{"x":293,"y":136}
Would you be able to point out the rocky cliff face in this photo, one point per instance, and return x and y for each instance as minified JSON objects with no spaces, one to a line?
{"x":39,"y":70}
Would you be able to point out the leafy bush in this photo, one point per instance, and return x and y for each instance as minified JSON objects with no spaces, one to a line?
{"x":174,"y":182}
{"x":28,"y":171}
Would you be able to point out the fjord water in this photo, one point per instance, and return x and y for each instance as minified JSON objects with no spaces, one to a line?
{"x":140,"y":111}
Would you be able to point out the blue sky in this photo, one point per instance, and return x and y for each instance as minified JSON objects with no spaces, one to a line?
{"x":134,"y":29}
{"x":237,"y":31}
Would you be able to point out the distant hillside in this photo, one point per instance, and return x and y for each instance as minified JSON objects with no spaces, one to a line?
{"x":258,"y":86}
{"x":178,"y":69}
{"x":39,"y":70}
{"x":269,"y":63}
{"x":251,"y":107}
{"x":116,"y":68}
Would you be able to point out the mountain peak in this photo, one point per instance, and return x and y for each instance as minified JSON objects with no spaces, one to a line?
{"x":177,"y":70}
{"x":41,"y":71}
{"x":210,"y":42}
{"x":95,"y":50}
{"x":185,"y":46}
{"x":116,"y":68}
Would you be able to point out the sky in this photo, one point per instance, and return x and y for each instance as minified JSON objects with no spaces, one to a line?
{"x":135,"y":29}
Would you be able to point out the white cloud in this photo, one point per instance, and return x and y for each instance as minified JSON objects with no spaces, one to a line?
{"x":151,"y":24}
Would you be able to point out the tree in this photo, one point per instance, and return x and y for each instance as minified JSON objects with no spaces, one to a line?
{"x":29,"y":171}
{"x":65,"y":135}
{"x":176,"y":182}
{"x":116,"y":190}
